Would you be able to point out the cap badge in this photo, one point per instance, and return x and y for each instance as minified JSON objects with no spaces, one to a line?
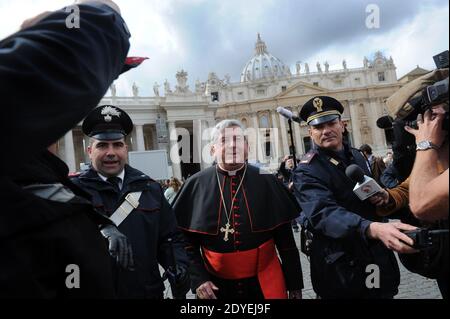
{"x":317,"y":102}
{"x":109,"y":112}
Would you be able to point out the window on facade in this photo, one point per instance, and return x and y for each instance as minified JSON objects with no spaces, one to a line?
{"x":338,"y":82}
{"x":381,"y":76}
{"x":260,"y":91}
{"x":264,"y":122}
{"x":244,"y":122}
{"x":358,"y":80}
{"x":240,"y":95}
{"x":283,"y":88}
{"x":316,"y":83}
{"x":267,"y":151}
{"x":214,"y":96}
{"x":180,"y":151}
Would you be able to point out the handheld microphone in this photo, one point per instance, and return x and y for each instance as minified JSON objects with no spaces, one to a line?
{"x":288,"y":114}
{"x":365,"y":186}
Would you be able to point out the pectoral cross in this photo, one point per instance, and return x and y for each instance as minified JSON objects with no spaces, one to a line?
{"x":226,"y":230}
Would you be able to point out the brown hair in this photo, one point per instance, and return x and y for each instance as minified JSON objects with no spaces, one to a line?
{"x":175,"y":184}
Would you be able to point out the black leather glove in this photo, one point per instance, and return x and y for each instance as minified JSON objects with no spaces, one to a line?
{"x":180,"y":281}
{"x":119,"y":246}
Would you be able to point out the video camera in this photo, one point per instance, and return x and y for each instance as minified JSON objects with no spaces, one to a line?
{"x":424,"y":238}
{"x":433,"y":246}
{"x":411,"y":100}
{"x":422,"y":93}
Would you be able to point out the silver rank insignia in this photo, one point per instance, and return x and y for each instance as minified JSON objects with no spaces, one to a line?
{"x":307,"y":157}
{"x":335,"y":162}
{"x":109,"y":112}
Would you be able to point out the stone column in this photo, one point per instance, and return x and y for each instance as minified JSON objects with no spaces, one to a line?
{"x":197,"y":131}
{"x":284,"y":137}
{"x":69,"y":151}
{"x":86,"y":155}
{"x":173,"y":154}
{"x":211,"y":123}
{"x":254,"y":141}
{"x":140,"y":138}
{"x":298,"y":139}
{"x":354,"y":117}
{"x":206,"y":146}
{"x":276,"y":127}
{"x":133,"y":138}
{"x":379,"y":139}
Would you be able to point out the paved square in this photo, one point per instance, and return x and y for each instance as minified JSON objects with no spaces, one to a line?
{"x":412,"y":286}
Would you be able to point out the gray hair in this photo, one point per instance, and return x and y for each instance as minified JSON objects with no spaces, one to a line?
{"x":222,"y":125}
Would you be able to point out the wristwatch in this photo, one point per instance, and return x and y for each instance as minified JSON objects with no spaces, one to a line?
{"x":426,"y":145}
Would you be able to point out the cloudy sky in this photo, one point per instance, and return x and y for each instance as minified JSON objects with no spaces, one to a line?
{"x":201,"y":36}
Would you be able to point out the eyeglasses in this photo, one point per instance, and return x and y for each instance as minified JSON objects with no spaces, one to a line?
{"x":235,"y":139}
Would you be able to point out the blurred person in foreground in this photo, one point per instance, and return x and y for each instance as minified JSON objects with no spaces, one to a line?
{"x":51,"y":76}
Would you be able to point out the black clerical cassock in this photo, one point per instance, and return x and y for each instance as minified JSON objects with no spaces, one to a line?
{"x":233,"y":222}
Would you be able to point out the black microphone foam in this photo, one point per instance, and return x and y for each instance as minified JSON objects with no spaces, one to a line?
{"x":385,"y":122}
{"x":355,"y":173}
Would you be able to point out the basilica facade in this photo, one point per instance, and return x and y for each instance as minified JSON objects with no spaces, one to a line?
{"x":178,"y":118}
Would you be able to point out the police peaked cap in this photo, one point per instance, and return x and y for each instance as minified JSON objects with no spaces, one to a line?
{"x":107,"y":123}
{"x":321,"y":109}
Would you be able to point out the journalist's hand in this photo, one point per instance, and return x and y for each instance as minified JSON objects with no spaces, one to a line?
{"x":392,"y":237}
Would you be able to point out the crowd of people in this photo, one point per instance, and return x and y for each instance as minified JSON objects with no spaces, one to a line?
{"x":226,"y":233}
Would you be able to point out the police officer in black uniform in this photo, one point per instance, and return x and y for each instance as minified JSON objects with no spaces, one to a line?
{"x":136,"y":204}
{"x":347,"y":234}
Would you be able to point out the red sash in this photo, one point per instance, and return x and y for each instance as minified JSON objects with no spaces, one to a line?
{"x":261,"y":262}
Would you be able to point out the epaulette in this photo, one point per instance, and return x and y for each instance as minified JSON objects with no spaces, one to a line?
{"x":308,"y":157}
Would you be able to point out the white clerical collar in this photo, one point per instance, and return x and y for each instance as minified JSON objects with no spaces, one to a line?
{"x":121,"y":176}
{"x":231,"y":173}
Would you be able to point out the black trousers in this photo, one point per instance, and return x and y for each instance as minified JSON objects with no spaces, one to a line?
{"x":247,"y":288}
{"x":443,"y":286}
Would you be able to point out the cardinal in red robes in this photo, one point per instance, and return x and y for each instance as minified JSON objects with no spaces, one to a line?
{"x":237,"y":222}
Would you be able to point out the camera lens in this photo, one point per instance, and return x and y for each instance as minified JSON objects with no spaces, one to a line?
{"x":432,"y":93}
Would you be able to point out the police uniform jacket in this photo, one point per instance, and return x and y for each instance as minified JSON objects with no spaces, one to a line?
{"x":338,"y":220}
{"x":147,"y":227}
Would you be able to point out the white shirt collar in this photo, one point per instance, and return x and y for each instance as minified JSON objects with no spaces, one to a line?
{"x":121,"y":176}
{"x":231,"y":173}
